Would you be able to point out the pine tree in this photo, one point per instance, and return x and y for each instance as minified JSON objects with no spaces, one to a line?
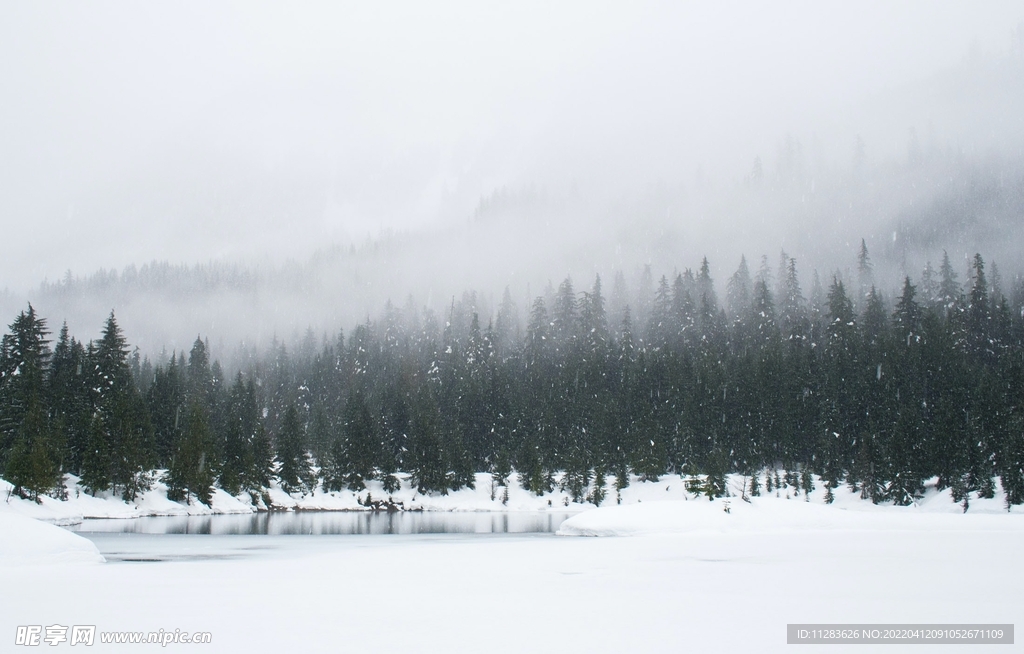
{"x":840,"y":392}
{"x":763,"y":331}
{"x":501,"y":469}
{"x":68,"y":400}
{"x":262,"y":464}
{"x":930,"y":295}
{"x":166,"y":400}
{"x":294,"y":468}
{"x":426,"y":459}
{"x":506,"y":326}
{"x":191,"y":471}
{"x":738,"y":291}
{"x":598,"y":494}
{"x":1010,"y":462}
{"x":200,"y":384}
{"x":564,"y":316}
{"x":29,"y":451}
{"x":594,"y":320}
{"x":361,"y":447}
{"x":949,"y":290}
{"x":791,"y":312}
{"x":661,"y":315}
{"x":123,"y":420}
{"x":806,"y":481}
{"x":238,"y":434}
{"x":907,"y":316}
{"x":536,"y":347}
{"x":865,"y":272}
{"x":978,"y":313}
{"x":755,"y":484}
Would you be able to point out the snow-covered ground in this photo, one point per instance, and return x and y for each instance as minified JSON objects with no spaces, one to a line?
{"x":484,"y":497}
{"x":80,"y":504}
{"x":679,"y":575}
{"x":154,"y":502}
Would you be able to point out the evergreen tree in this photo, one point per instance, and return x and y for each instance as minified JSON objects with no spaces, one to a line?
{"x":594,"y":320}
{"x":68,"y":400}
{"x":166,"y":400}
{"x":791,"y":313}
{"x":949,"y":290}
{"x":659,"y":325}
{"x":564,"y":316}
{"x":865,"y":271}
{"x":96,"y":468}
{"x":755,"y":484}
{"x":262,"y":464}
{"x":839,"y":392}
{"x":190,"y":471}
{"x":239,"y":434}
{"x":361,"y":449}
{"x":738,"y":291}
{"x":121,"y":418}
{"x":684,"y":317}
{"x":30,"y":453}
{"x":294,"y":467}
{"x":501,"y":468}
{"x":978,"y":313}
{"x":426,"y":461}
{"x":506,"y":326}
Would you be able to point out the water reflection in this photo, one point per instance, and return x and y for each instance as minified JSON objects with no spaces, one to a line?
{"x":334,"y":522}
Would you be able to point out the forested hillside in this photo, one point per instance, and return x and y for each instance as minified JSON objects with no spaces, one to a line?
{"x":880,"y":393}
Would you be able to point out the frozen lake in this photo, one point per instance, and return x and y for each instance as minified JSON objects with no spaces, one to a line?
{"x":178,"y":538}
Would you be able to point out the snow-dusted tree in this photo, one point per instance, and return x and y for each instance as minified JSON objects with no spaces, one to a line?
{"x":191,"y":473}
{"x":294,"y":466}
{"x":30,"y":453}
{"x":121,"y":440}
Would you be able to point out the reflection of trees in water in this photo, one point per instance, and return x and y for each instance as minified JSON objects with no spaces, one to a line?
{"x":290,"y":523}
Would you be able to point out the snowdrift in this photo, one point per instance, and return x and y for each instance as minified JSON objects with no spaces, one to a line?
{"x":24,"y":541}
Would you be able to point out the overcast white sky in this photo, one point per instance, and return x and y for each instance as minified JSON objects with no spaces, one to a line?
{"x":190,"y":131}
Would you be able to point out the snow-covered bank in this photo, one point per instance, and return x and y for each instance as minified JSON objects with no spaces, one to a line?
{"x":24,"y":541}
{"x":154,"y":502}
{"x":80,"y":504}
{"x":787,"y":510}
{"x":487,"y":496}
{"x":769,"y":515}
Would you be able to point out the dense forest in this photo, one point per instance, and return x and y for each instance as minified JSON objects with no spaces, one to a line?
{"x":844,"y":385}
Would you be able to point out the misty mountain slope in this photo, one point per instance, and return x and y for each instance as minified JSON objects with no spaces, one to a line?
{"x":528,"y":240}
{"x":225,"y":160}
{"x":980,"y":208}
{"x":908,"y":191}
{"x":914,"y":165}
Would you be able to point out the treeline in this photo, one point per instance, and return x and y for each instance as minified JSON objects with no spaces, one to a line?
{"x":874,"y":393}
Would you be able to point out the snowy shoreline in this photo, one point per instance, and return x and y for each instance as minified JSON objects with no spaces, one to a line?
{"x":485,"y":497}
{"x":81,"y":505}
